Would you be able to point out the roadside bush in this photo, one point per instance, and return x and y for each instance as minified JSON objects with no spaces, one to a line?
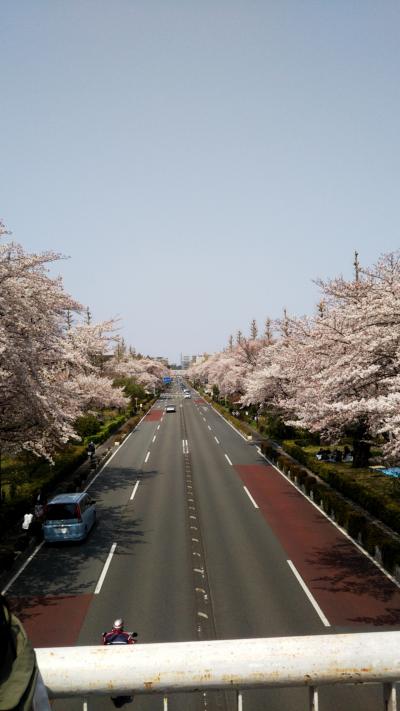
{"x":341,"y":511}
{"x":269,"y":451}
{"x":301,"y":476}
{"x":294,"y":470}
{"x":357,"y":524}
{"x":374,"y":536}
{"x":284,"y":463}
{"x":390,"y":551}
{"x":87,"y":425}
{"x":295,"y":451}
{"x":276,"y":428}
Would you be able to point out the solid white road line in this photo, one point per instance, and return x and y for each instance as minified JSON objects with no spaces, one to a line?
{"x":22,"y":568}
{"x":135,"y":488}
{"x":250,"y":497}
{"x":104,"y":571}
{"x":311,"y":598}
{"x":217,"y":440}
{"x":229,"y":423}
{"x":227,"y":458}
{"x":147,"y":457}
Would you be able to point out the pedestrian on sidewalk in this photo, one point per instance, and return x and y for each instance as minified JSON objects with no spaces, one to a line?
{"x":26,"y":524}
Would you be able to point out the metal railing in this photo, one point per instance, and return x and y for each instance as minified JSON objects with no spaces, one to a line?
{"x":310,"y":661}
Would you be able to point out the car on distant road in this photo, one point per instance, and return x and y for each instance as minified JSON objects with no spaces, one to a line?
{"x":187,"y":396}
{"x":170,"y":408}
{"x":69,"y":517}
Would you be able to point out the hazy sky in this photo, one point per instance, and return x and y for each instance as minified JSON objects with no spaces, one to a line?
{"x":200,"y":161}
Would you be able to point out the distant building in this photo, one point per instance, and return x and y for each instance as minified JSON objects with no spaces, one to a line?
{"x":162,"y":360}
{"x":187,"y":360}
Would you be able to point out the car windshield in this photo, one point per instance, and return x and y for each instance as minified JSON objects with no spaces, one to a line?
{"x":58,"y":512}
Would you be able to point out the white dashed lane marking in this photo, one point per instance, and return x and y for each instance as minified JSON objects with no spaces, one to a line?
{"x":135,"y":488}
{"x":104,"y":571}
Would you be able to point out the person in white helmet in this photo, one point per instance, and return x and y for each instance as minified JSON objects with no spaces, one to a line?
{"x":118,"y":635}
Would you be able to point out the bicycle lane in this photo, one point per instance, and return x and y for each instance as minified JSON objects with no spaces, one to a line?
{"x":350,"y":590}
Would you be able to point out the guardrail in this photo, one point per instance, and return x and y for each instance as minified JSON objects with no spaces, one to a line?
{"x":240,"y":664}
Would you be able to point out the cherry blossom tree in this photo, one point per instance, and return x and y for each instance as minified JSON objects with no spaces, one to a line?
{"x":35,"y":411}
{"x":47,"y":378}
{"x":88,"y":349}
{"x":337,"y":373}
{"x":228,"y":370}
{"x":145,"y":371}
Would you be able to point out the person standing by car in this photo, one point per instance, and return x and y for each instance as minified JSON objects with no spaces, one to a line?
{"x":26,"y":525}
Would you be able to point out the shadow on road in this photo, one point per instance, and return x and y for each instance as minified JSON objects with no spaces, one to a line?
{"x":70,"y":569}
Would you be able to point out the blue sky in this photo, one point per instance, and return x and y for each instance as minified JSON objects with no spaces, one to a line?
{"x":200,"y":162}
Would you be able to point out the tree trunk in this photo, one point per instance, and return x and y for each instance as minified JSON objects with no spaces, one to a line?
{"x":361,"y":453}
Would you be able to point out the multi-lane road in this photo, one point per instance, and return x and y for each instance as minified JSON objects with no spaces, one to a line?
{"x":199,"y":537}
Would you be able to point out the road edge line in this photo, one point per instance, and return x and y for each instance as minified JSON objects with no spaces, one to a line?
{"x":256,"y":506}
{"x":309,"y":594}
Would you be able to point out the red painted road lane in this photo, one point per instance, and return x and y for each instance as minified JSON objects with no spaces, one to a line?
{"x":52,"y":621}
{"x":348,"y":587}
{"x":200,"y":401}
{"x":154,"y":415}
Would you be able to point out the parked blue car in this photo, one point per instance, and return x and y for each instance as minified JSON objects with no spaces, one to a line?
{"x":69,"y":517}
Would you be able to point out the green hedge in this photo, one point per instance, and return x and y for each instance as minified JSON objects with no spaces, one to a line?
{"x":107,"y":430}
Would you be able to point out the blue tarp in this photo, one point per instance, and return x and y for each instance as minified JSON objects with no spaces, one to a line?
{"x":392,"y":471}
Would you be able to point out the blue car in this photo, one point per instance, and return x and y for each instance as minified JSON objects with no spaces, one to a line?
{"x":69,"y":517}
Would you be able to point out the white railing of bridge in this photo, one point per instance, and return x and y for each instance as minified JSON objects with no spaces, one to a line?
{"x":239,"y":664}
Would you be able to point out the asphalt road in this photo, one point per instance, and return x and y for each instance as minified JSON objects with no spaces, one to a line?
{"x":197,"y":531}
